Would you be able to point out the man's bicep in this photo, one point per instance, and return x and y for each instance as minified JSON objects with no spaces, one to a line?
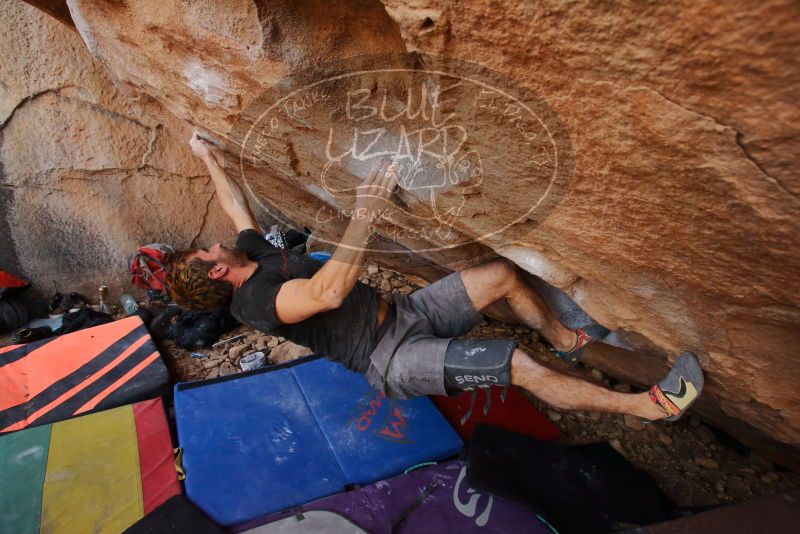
{"x":297,"y":300}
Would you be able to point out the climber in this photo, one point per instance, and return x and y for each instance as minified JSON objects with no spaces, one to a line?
{"x":407,"y":348}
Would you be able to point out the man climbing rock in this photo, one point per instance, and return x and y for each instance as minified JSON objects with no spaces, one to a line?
{"x":408,"y":347}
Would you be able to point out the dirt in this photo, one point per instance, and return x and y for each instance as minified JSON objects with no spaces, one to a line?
{"x":693,"y":464}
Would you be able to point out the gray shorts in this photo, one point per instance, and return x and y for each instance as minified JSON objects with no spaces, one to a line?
{"x":408,"y":359}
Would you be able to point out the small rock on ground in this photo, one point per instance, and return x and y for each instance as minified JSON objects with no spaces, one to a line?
{"x":707,"y":463}
{"x":287,"y":351}
{"x":634,"y":423}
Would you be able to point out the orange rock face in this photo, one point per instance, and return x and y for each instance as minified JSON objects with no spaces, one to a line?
{"x":88,"y":174}
{"x":678,"y":122}
{"x":681,"y":221}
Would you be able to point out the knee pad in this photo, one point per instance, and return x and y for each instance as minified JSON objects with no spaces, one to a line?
{"x":478,"y":363}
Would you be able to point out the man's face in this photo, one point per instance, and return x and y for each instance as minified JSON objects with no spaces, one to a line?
{"x":221,"y":255}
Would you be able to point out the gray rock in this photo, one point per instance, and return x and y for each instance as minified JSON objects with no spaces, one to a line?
{"x":746,"y":471}
{"x":633,"y":423}
{"x":226,"y":369}
{"x":705,"y":435}
{"x":287,"y":351}
{"x":760,"y":464}
{"x":706,"y":463}
{"x":212,"y":361}
{"x":236,"y":351}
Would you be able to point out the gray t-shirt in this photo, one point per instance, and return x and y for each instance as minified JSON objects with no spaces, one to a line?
{"x":347,"y":334}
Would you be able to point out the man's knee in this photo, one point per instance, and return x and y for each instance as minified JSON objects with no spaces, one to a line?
{"x":478,"y":363}
{"x":500,"y":273}
{"x":507,"y":273}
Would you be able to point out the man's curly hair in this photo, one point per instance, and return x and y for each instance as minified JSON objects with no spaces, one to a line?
{"x":190,"y":286}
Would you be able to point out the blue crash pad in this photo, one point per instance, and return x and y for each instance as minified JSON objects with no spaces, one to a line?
{"x":274,"y":438}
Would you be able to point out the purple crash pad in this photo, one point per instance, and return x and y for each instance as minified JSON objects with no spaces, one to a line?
{"x":451,"y":506}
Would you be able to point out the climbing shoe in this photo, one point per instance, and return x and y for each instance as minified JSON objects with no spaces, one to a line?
{"x":583,"y":336}
{"x":680,"y":388}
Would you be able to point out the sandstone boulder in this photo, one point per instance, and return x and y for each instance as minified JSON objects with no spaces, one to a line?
{"x":677,"y":216}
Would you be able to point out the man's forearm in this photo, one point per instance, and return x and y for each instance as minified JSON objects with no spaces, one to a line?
{"x":340,"y":273}
{"x":230,"y":195}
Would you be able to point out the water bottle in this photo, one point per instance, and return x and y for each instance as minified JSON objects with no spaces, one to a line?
{"x":129,"y":304}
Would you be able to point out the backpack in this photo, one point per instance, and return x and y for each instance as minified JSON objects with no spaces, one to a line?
{"x":148,"y":265}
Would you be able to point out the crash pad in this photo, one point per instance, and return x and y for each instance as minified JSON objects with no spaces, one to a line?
{"x":86,"y":371}
{"x":579,"y":488}
{"x":97,"y":473}
{"x":175,"y":516}
{"x":429,"y":500}
{"x":274,"y":438}
{"x":512,"y":411}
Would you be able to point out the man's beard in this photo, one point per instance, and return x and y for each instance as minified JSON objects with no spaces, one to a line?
{"x":235,"y":257}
